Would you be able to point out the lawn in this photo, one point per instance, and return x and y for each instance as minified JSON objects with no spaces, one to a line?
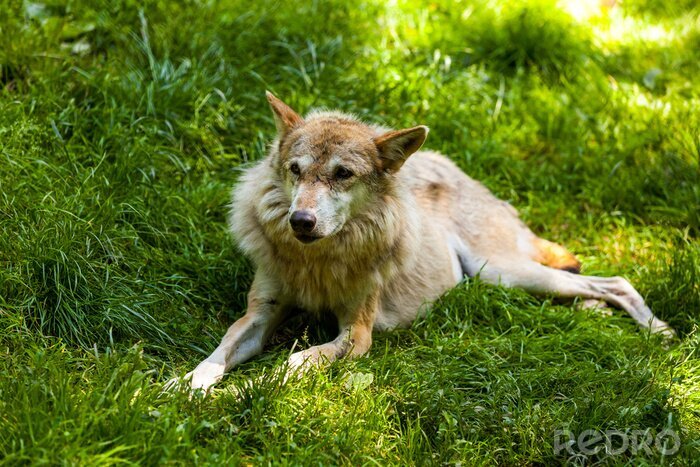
{"x":124,"y":125}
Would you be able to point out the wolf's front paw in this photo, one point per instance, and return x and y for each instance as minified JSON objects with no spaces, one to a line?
{"x":299,"y":362}
{"x":203,"y":377}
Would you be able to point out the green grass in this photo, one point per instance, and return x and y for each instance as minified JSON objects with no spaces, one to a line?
{"x":124,"y":124}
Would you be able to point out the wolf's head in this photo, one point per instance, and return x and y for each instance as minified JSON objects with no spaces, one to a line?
{"x":332,"y":166}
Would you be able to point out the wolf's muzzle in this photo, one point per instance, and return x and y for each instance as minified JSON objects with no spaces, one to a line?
{"x":302,"y":222}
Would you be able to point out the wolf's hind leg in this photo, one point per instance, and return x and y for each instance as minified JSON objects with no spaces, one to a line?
{"x":555,"y":256}
{"x":538,"y":279}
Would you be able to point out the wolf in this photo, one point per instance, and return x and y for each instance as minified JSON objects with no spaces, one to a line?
{"x":353,"y":219}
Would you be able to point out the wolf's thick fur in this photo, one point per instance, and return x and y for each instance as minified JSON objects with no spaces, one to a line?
{"x":375,"y":237}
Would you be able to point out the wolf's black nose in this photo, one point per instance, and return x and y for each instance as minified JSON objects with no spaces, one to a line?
{"x":302,"y":221}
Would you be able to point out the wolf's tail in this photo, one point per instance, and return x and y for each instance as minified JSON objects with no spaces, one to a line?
{"x":555,"y":256}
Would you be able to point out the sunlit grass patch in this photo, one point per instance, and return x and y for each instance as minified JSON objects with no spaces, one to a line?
{"x":504,"y":36}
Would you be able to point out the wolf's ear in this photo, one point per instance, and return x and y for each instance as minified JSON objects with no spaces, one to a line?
{"x":285,"y":117}
{"x":395,"y":146}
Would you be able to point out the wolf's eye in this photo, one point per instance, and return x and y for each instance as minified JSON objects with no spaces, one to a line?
{"x":294,"y":168}
{"x":341,"y":173}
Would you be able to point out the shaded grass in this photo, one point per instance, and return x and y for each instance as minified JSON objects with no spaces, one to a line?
{"x":123,"y":126}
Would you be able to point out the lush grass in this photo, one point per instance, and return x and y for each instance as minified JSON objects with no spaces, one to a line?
{"x":123,"y":126}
